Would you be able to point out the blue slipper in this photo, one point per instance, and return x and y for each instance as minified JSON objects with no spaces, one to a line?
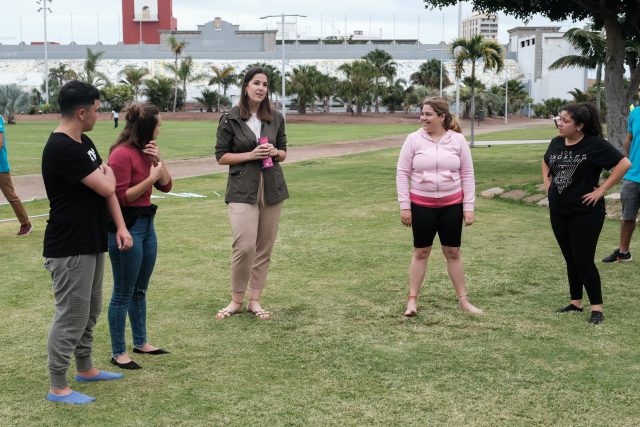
{"x":74,"y":398}
{"x":102,"y":376}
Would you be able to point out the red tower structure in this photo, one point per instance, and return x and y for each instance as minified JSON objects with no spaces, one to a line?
{"x":142,"y":19}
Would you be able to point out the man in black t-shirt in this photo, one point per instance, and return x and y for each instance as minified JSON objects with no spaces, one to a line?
{"x":81,"y":192}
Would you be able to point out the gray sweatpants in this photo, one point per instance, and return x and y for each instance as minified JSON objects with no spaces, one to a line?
{"x":77,"y":289}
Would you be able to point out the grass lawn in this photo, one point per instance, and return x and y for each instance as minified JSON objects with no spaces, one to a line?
{"x":338,"y":350}
{"x":181,"y":139}
{"x":546,"y":133}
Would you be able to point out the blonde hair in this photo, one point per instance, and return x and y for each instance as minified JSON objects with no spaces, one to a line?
{"x":441,"y":107}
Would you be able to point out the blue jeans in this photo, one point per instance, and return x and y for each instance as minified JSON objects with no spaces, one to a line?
{"x":131,"y":272}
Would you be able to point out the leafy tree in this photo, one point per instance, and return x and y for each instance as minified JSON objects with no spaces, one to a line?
{"x":549,"y":107}
{"x":592,"y":47}
{"x":159,"y":91}
{"x":60,"y":75}
{"x":211,"y":98}
{"x":184,"y":74}
{"x":473,"y":50}
{"x":90,"y":74}
{"x":224,"y":78}
{"x":12,"y":100}
{"x":618,"y":18}
{"x":360,"y":75}
{"x":176,"y":47}
{"x":326,"y":87}
{"x":580,"y":96}
{"x":384,"y":66}
{"x":117,"y":96}
{"x":344,"y":93}
{"x":429,"y":75}
{"x":134,"y":76}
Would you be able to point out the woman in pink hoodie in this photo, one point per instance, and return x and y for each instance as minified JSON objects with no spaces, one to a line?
{"x":436,"y":191}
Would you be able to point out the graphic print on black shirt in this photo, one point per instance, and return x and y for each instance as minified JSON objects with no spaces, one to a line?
{"x":563,"y":166}
{"x":575,"y":171}
{"x":78,"y":215}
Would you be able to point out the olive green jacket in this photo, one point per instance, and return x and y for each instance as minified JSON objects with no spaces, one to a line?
{"x":234,"y":136}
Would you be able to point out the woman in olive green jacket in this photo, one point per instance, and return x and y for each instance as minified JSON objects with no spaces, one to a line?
{"x":252,"y":141}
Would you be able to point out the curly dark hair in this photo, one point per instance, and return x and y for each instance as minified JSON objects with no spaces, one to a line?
{"x":585,"y":114}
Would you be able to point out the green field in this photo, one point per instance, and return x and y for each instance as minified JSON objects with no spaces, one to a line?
{"x":337,"y":350}
{"x":181,"y":139}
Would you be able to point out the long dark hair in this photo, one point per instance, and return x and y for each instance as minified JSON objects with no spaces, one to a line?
{"x":142,"y":120}
{"x":585,"y":114}
{"x":441,"y":108}
{"x":264,"y":110}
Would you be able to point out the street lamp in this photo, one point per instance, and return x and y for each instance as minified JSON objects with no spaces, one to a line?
{"x":45,"y":8}
{"x":282,"y":15}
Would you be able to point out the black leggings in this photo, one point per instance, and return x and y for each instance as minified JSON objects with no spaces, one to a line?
{"x":446,"y":221}
{"x":578,"y":237}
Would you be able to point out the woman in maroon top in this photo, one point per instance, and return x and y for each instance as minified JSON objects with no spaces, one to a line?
{"x":137,"y":166}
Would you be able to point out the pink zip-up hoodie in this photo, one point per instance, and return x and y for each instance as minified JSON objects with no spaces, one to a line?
{"x":436,"y":170}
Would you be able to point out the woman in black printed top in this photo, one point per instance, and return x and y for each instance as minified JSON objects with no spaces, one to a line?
{"x":571,"y":171}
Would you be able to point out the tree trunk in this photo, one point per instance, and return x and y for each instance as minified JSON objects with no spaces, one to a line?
{"x":472,"y":115}
{"x":598,"y":84}
{"x":617,"y":99}
{"x":377,"y":109}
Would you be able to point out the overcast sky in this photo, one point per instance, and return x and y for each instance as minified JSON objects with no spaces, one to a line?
{"x":87,"y":21}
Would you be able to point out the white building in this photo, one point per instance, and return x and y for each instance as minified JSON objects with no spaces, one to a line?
{"x":484,"y":24}
{"x":535,"y":49}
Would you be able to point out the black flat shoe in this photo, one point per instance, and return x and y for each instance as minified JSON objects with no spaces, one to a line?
{"x":596,"y":318}
{"x":569,"y":309}
{"x":129,"y":365}
{"x":155,"y":352}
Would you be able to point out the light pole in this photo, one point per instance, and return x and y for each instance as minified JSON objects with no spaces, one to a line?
{"x":45,"y":8}
{"x":282,"y":15}
{"x":506,"y":97}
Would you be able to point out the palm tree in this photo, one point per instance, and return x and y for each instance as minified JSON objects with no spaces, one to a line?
{"x":176,"y":47}
{"x":384,"y":66}
{"x":517,"y":95}
{"x":360,"y":75}
{"x":184,"y":74}
{"x":580,"y":96}
{"x":90,"y":75}
{"x":592,"y":46}
{"x":12,"y":100}
{"x":474,"y":49}
{"x":394,"y":95}
{"x":134,"y":76}
{"x":224,"y":78}
{"x":211,"y":98}
{"x":326,"y":87}
{"x":303,"y":82}
{"x":429,"y":75}
{"x":159,"y":90}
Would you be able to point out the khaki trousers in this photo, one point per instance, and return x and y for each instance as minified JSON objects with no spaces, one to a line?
{"x":254,"y":228}
{"x":6,"y":185}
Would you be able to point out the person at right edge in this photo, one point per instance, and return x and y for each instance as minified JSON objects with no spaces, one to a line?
{"x":251,"y":139}
{"x":629,"y":191}
{"x":571,"y":171}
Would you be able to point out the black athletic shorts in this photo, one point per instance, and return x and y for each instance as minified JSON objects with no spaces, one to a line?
{"x":446,"y":221}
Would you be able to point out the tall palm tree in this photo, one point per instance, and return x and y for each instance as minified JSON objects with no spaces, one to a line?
{"x":592,"y":46}
{"x":176,"y":47}
{"x":61,"y":74}
{"x":134,"y":76}
{"x":184,"y":74}
{"x":473,"y":50}
{"x":360,"y":75}
{"x":90,"y":74}
{"x":429,"y":75}
{"x":384,"y":66}
{"x":224,"y":78}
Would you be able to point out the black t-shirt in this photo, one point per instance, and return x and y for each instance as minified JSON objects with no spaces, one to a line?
{"x":78,"y":215}
{"x":575,"y":171}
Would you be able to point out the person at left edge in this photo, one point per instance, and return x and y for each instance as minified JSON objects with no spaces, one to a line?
{"x":6,"y":185}
{"x":81,"y":193}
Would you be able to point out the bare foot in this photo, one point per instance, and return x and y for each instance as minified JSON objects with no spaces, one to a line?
{"x":122,"y":358}
{"x":412,"y":308}
{"x":467,"y":307}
